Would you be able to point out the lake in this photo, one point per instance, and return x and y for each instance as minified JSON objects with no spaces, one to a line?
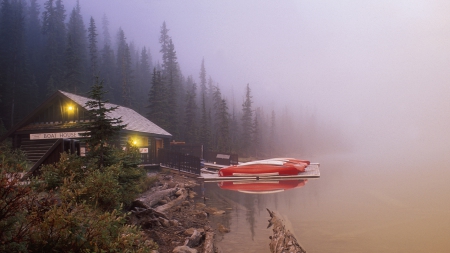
{"x":361,"y":203}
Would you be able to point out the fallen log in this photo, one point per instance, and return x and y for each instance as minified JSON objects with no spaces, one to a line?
{"x":282,"y":240}
{"x":173,"y":203}
{"x":208,"y":245}
{"x":148,"y":200}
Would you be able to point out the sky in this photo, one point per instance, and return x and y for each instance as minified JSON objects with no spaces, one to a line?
{"x":377,"y":70}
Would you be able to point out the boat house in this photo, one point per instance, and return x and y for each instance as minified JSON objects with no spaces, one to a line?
{"x":54,"y":127}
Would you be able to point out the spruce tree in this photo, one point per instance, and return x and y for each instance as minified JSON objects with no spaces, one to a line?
{"x":223,"y":133}
{"x":101,"y":129}
{"x":127,"y":78}
{"x":34,"y":51}
{"x":215,"y":121}
{"x":93,"y":51}
{"x":14,"y":78}
{"x":272,"y":134}
{"x":76,"y":60}
{"x":256,"y":138}
{"x":190,"y":121}
{"x":157,"y":107}
{"x":54,"y":30}
{"x":170,"y":70}
{"x":247,"y":117}
{"x":202,"y":78}
{"x":123,"y":84}
{"x":164,"y":41}
{"x":205,"y":129}
{"x":143,"y":80}
{"x":107,"y":65}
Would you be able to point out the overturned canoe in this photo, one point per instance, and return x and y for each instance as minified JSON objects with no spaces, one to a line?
{"x":264,"y":168}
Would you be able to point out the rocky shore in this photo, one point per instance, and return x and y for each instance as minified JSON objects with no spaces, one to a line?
{"x":170,"y":214}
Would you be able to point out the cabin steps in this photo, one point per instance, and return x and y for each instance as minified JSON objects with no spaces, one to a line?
{"x":34,"y":150}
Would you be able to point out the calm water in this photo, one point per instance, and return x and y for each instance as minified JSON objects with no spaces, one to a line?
{"x":361,"y":203}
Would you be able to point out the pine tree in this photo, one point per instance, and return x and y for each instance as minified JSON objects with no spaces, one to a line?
{"x":223,"y":134}
{"x":202,"y":78}
{"x":101,"y":129}
{"x":190,"y":121}
{"x":14,"y":77}
{"x":157,"y":101}
{"x":205,"y":129}
{"x":215,"y":121}
{"x":272,"y":137}
{"x":256,"y":138}
{"x":164,"y":41}
{"x":105,"y":27}
{"x":54,"y":30}
{"x":76,"y":59}
{"x":143,"y":81}
{"x":247,"y":117}
{"x":124,"y":76}
{"x":34,"y":52}
{"x":107,"y":65}
{"x":93,"y":52}
{"x":127,"y":77}
{"x":170,"y":70}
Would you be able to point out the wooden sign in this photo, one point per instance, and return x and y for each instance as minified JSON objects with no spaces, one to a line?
{"x":45,"y":136}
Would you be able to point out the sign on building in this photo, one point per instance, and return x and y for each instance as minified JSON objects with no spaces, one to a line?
{"x":60,"y":135}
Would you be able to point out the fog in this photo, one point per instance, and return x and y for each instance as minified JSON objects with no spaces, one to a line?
{"x":375,"y":71}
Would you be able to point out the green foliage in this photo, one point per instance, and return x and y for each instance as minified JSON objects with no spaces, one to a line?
{"x":102,"y":129}
{"x":73,"y":207}
{"x":12,"y":160}
{"x":77,"y":227}
{"x":106,"y":187}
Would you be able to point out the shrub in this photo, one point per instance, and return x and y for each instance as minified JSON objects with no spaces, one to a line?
{"x":72,"y":207}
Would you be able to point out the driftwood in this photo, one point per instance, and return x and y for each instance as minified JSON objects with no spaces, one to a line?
{"x":194,"y":240}
{"x":173,"y":203}
{"x":282,"y":240}
{"x":208,"y":245}
{"x":149,"y":200}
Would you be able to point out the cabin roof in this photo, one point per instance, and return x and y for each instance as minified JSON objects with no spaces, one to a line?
{"x":133,"y":120}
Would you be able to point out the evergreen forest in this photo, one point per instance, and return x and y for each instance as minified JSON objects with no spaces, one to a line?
{"x":44,"y":48}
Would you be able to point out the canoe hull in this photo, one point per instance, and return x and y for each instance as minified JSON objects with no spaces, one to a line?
{"x":263,"y":170}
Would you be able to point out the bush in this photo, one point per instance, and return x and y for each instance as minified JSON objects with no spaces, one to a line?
{"x":72,"y":207}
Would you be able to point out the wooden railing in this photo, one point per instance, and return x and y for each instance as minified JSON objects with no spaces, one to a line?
{"x":179,"y":161}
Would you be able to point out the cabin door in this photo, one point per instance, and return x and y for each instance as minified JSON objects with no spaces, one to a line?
{"x":158,"y":145}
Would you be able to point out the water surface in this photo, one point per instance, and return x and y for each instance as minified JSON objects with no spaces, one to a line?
{"x":361,"y":203}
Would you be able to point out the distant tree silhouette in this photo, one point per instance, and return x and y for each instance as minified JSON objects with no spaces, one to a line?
{"x":247,"y":117}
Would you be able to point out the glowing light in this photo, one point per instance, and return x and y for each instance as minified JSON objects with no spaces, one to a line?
{"x":70,"y":108}
{"x":134,"y":142}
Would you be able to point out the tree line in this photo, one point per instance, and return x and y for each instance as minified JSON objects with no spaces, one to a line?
{"x":48,"y":48}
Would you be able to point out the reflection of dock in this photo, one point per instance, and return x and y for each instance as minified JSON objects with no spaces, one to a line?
{"x":210,"y":174}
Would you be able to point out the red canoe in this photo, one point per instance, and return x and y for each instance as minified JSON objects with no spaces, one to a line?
{"x":264,"y":168}
{"x":261,"y":186}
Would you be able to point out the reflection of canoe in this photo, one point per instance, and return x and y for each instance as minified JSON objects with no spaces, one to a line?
{"x":269,"y":167}
{"x":261,"y":186}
